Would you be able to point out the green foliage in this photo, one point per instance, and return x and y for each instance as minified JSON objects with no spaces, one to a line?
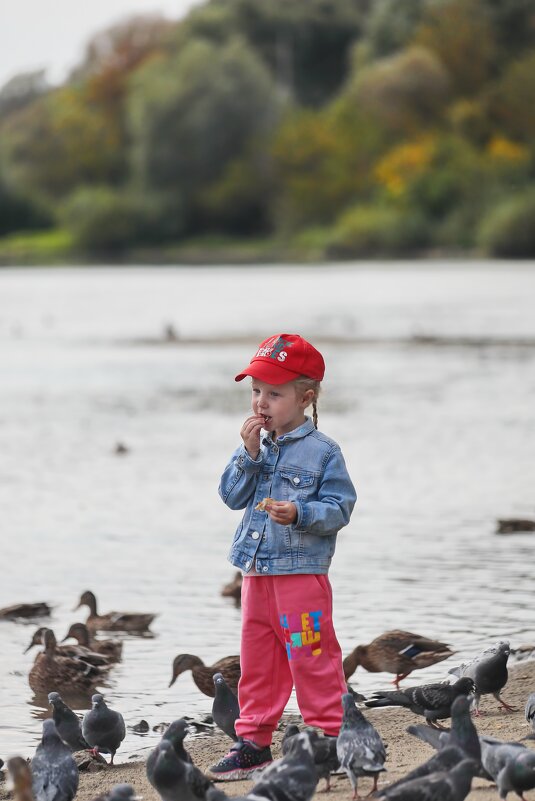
{"x":60,"y":142}
{"x":102,"y":220}
{"x":18,"y":213}
{"x":509,"y":228}
{"x":304,"y":43}
{"x":391,"y":24}
{"x":190,"y":117}
{"x":405,"y":92}
{"x":369,"y":230}
{"x":512,"y":100}
{"x":460,"y":34}
{"x":42,"y":247}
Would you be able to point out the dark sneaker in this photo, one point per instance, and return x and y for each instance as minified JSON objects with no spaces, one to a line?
{"x":241,"y":762}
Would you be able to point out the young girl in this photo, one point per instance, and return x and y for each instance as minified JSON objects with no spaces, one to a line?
{"x":294,"y":486}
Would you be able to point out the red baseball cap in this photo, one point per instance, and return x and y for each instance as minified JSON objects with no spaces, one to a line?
{"x":282,"y":358}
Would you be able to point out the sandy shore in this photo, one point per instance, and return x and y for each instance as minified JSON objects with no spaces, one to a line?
{"x":404,"y":752}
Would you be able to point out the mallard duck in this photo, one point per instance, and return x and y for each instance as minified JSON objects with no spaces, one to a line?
{"x":74,"y":651}
{"x":398,"y":652}
{"x":229,"y":667}
{"x":25,"y":610}
{"x":113,"y":621}
{"x":53,"y":672}
{"x":112,"y":649}
{"x":233,"y":588}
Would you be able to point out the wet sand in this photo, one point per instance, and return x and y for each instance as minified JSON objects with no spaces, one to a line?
{"x":404,"y":752}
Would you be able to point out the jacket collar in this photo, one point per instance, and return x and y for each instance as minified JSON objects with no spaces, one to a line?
{"x":299,"y":432}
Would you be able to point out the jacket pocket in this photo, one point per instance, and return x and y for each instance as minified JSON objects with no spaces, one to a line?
{"x":297,"y":484}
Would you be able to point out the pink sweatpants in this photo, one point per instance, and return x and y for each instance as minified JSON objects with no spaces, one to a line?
{"x":288,"y":640}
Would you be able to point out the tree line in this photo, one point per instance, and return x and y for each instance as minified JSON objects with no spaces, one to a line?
{"x":361,"y":127}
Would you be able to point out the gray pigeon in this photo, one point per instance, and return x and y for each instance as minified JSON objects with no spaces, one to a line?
{"x":103,"y":728}
{"x":433,"y":701}
{"x":175,"y":779}
{"x":119,"y":792}
{"x":324,"y":748}
{"x":511,"y":765}
{"x":54,"y":771}
{"x":463,"y":733}
{"x":442,"y":761}
{"x":174,"y":734}
{"x":67,"y":723}
{"x":359,"y":747}
{"x":451,"y":785}
{"x":291,"y":778}
{"x":489,"y":672}
{"x":225,"y":709}
{"x":530,"y":716}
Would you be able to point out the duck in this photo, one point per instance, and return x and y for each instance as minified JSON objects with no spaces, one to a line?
{"x":233,"y":588}
{"x":74,"y":651}
{"x":229,"y":667}
{"x":112,"y":649}
{"x":399,"y":652}
{"x":113,"y":621}
{"x":24,"y":611}
{"x":53,"y":672}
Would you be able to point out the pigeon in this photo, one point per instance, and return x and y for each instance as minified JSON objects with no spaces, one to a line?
{"x":119,"y":792}
{"x":433,"y":701}
{"x":174,"y":734}
{"x":511,"y":765}
{"x":463,"y":733}
{"x":175,"y":779}
{"x":359,"y":747}
{"x":54,"y":771}
{"x":451,"y":785}
{"x":67,"y":723}
{"x":324,"y":748}
{"x":443,"y":760}
{"x":530,"y":716}
{"x":225,"y":708}
{"x":103,"y":728}
{"x":21,"y":776}
{"x":489,"y":672}
{"x":291,"y":778}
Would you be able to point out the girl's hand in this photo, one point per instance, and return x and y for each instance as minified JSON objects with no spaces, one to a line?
{"x":282,"y":512}
{"x":250,"y":433}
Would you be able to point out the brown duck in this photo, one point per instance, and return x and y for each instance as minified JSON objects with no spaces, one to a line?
{"x":24,"y":611}
{"x":111,"y":649}
{"x":398,"y":652}
{"x":74,"y":651}
{"x":233,"y":588}
{"x":53,"y":672}
{"x":229,"y":667}
{"x":113,"y":621}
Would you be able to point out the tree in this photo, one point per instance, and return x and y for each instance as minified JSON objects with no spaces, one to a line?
{"x":192,"y":115}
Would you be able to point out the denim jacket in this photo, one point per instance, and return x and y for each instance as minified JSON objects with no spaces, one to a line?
{"x":305,"y":467}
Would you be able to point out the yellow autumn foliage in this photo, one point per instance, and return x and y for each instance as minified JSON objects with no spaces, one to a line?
{"x":506,"y":150}
{"x":403,"y":163}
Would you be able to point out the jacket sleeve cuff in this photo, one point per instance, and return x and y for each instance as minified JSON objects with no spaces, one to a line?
{"x":302,"y":521}
{"x":244,"y":461}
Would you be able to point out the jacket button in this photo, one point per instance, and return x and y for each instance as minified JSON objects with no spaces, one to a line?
{"x":265,"y":570}
{"x":255,"y":535}
{"x":247,"y":565}
{"x":297,"y":480}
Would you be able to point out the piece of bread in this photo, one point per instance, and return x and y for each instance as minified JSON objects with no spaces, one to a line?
{"x":263,"y":505}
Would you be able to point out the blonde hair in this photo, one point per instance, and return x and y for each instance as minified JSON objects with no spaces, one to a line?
{"x":302,"y":384}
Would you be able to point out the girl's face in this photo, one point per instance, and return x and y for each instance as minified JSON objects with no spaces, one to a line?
{"x":282,"y":408}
